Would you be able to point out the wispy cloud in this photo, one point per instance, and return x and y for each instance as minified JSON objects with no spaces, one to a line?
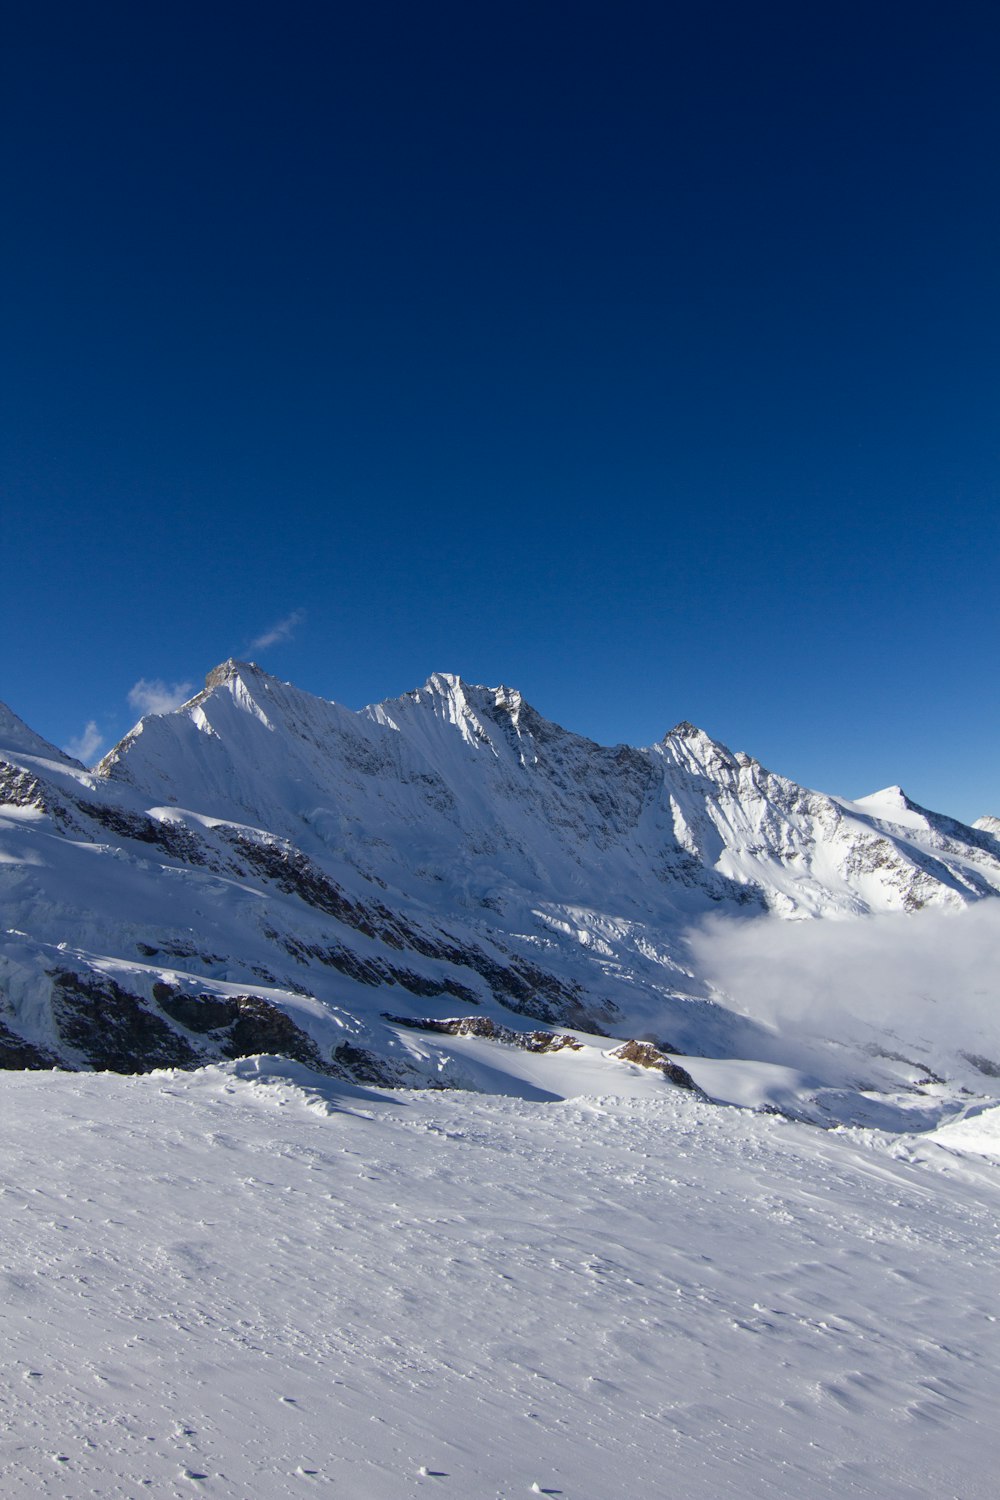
{"x":282,"y":630}
{"x":151,"y":695}
{"x":86,"y":745}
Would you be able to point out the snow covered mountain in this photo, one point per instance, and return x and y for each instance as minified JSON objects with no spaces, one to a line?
{"x":262,"y":870}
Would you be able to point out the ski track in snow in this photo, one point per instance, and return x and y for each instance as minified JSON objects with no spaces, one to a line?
{"x":247,"y":1282}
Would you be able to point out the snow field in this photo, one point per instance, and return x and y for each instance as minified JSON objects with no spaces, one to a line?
{"x":249,"y":1281}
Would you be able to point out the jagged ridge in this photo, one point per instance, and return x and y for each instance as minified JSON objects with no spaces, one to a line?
{"x":451,"y":844}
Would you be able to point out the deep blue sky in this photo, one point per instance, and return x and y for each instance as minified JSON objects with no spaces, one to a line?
{"x":644,"y":357}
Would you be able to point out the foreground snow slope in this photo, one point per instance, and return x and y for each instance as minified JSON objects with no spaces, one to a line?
{"x":249,"y":1280}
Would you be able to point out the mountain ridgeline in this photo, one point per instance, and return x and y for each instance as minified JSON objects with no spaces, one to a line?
{"x":261,"y":870}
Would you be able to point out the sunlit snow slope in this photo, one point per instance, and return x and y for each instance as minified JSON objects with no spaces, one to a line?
{"x":250,"y":1281}
{"x":261,"y":870}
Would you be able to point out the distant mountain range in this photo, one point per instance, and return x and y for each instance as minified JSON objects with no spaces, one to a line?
{"x":260,"y":870}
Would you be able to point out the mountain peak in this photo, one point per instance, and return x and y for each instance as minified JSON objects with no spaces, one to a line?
{"x":889,"y":796}
{"x":685,"y":730}
{"x":446,"y":685}
{"x":229,"y":669}
{"x":473,"y":696}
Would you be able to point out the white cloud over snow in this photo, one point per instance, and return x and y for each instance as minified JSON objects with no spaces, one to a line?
{"x":154,"y":696}
{"x":930,"y":976}
{"x":282,"y":630}
{"x":86,"y":745}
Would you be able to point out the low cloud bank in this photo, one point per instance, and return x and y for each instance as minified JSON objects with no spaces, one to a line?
{"x":932,"y":977}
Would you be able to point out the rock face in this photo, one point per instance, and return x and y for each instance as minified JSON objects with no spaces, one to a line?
{"x":645,"y":1055}
{"x":257,"y":868}
{"x":483,"y":1026}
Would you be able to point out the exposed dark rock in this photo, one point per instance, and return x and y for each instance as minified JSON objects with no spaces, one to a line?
{"x":290,"y":870}
{"x":646,"y":1055}
{"x":16,"y":1053}
{"x":263,"y":1027}
{"x":367,"y":1067}
{"x":266,"y":977}
{"x":120,"y":1032}
{"x":364,"y":970}
{"x":188,"y":951}
{"x":197,"y":1013}
{"x":984,"y":1064}
{"x":529,"y":1041}
{"x":113,"y":1030}
{"x":520,"y":985}
{"x":928,"y":1075}
{"x":173,"y":838}
{"x":18,"y":788}
{"x":429,"y":989}
{"x":523,"y":987}
{"x":227,"y":670}
{"x":240,"y":1025}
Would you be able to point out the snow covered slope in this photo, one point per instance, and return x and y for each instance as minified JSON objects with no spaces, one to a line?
{"x":251,"y":1281}
{"x":263,"y":870}
{"x":469,"y":787}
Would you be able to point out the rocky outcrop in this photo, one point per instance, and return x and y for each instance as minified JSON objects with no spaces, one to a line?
{"x":17,"y":1053}
{"x":105,"y":1027}
{"x":493,"y":1031}
{"x":239,"y":1025}
{"x":647,"y":1055}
